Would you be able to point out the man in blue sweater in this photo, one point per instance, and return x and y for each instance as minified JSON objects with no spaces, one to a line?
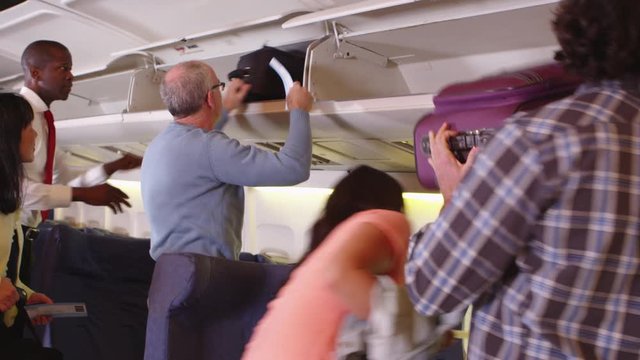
{"x":193,"y":174}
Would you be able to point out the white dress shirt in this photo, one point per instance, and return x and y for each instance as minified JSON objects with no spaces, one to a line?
{"x":36,"y":195}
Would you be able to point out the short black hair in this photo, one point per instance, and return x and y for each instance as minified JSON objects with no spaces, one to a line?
{"x":39,"y":51}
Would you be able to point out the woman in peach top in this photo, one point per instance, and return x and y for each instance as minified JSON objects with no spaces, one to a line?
{"x":367,"y":236}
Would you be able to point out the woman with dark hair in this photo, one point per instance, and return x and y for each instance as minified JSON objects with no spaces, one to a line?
{"x":17,"y":146}
{"x":362,"y":233}
{"x":17,"y":136}
{"x":358,"y":191}
{"x":353,"y":241}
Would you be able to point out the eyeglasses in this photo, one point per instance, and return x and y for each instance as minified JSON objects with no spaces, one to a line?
{"x":218,"y":85}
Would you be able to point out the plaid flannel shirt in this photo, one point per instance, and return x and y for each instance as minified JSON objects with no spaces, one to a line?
{"x":543,"y":234}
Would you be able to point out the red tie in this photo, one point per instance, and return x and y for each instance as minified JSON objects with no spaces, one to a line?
{"x":51,"y":152}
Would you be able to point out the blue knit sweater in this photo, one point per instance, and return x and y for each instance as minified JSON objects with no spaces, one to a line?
{"x":192,"y":184}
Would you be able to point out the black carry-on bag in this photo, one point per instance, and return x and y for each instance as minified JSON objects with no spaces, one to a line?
{"x":254,"y":69}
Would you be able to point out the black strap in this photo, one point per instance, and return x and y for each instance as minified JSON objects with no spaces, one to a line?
{"x":30,"y":235}
{"x":23,"y":318}
{"x":12,"y":264}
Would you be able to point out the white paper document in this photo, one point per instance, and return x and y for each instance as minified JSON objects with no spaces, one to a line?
{"x":57,"y":310}
{"x":287,"y":81}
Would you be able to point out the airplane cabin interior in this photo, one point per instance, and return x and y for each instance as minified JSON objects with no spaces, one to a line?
{"x":373,"y":67}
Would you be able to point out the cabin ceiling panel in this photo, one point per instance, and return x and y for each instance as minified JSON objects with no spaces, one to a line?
{"x":9,"y":65}
{"x":170,"y":19}
{"x":34,"y":20}
{"x":118,"y":27}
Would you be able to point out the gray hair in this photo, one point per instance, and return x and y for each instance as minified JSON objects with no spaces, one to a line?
{"x":184,"y":94}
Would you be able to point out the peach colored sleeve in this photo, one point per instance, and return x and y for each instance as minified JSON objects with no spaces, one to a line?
{"x":397,"y":231}
{"x":303,"y":321}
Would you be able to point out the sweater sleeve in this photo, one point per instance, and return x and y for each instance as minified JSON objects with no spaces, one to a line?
{"x":248,"y":165}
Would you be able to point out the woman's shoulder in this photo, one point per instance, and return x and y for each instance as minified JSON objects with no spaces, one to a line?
{"x":381,"y":217}
{"x":8,"y":223}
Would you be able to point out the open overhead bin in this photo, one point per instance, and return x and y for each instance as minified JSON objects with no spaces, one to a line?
{"x":373,"y":67}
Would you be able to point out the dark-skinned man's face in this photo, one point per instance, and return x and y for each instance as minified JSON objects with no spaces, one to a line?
{"x":53,"y":77}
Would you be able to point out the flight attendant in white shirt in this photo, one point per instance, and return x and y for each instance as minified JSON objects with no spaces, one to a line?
{"x":47,"y":78}
{"x":48,"y":183}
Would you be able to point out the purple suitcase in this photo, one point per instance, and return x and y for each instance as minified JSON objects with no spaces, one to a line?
{"x":486,"y":103}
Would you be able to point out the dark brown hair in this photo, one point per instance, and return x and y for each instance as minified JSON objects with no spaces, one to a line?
{"x":600,"y":39}
{"x":364,"y":188}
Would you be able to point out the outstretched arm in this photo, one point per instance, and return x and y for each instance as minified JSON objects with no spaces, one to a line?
{"x":102,"y":195}
{"x":127,"y":162}
{"x":289,"y":166}
{"x":351,"y":275}
{"x":234,"y":94}
{"x":236,"y":91}
{"x":38,"y":196}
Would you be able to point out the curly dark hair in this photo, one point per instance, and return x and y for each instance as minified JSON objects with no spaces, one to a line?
{"x":15,"y":115}
{"x":364,"y":188}
{"x":600,"y":39}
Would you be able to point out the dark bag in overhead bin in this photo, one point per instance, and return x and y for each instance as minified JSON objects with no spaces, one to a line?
{"x":476,"y":109}
{"x":265,"y":83}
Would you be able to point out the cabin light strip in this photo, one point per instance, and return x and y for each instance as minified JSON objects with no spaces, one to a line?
{"x":429,"y":197}
{"x":291,"y":190}
{"x":299,"y":190}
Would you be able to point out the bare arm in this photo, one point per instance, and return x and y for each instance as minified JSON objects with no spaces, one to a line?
{"x":102,"y":195}
{"x":235,"y":94}
{"x":127,"y":162}
{"x":352,"y":274}
{"x":8,"y":294}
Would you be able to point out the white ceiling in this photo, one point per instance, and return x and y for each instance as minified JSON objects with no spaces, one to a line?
{"x":120,"y":25}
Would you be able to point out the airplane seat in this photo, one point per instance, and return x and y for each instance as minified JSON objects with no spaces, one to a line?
{"x":110,"y":273}
{"x":204,"y":307}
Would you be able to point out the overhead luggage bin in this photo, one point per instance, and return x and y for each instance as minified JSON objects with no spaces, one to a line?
{"x":424,"y":12}
{"x":422,"y":46}
{"x":372,"y":66}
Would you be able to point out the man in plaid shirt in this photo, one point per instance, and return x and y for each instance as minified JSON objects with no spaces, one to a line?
{"x":542,"y":233}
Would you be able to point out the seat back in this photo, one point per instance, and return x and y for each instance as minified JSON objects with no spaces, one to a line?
{"x":111,"y":274}
{"x":204,"y":307}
